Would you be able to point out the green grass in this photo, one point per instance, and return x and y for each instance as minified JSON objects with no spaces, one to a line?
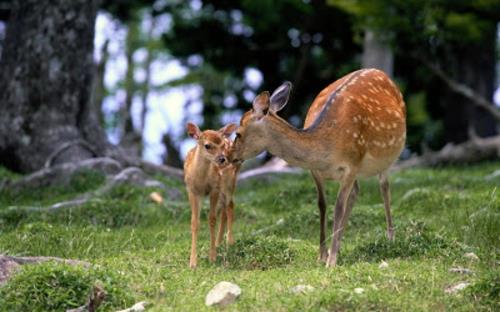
{"x":140,"y":250}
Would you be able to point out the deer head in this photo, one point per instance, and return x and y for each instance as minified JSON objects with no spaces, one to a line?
{"x":251,"y":137}
{"x":213,"y":145}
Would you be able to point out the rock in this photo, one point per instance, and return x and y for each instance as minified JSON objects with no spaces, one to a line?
{"x":156,"y":197}
{"x":301,"y":289}
{"x":359,"y":290}
{"x":383,"y":265}
{"x":138,"y":307}
{"x":460,"y":270}
{"x":471,"y":255}
{"x":453,"y":289}
{"x":222,"y":294}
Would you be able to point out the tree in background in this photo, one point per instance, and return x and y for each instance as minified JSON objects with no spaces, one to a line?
{"x":309,"y":44}
{"x":46,"y":115}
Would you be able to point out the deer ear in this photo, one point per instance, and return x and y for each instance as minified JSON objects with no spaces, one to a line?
{"x":193,"y":130}
{"x":228,"y":129}
{"x":280,"y":96}
{"x":261,"y":104}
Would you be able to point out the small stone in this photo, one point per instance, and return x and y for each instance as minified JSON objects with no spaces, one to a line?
{"x":156,"y":197}
{"x":453,"y":289}
{"x":471,"y":255}
{"x":359,"y":290}
{"x":383,"y":265}
{"x":461,"y":270}
{"x":222,"y":294}
{"x":301,"y":289}
{"x":138,"y":307}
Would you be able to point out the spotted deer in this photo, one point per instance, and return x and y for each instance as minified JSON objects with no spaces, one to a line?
{"x":207,"y":171}
{"x":354,"y":128}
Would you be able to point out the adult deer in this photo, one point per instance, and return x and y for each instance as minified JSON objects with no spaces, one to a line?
{"x":354,"y":128}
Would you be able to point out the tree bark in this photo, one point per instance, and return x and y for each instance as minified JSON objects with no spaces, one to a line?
{"x":377,"y":53}
{"x":45,"y":76}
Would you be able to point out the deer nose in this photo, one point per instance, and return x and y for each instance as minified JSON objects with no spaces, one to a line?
{"x":221,"y":159}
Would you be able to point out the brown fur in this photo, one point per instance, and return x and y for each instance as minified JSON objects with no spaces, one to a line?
{"x":354,"y":128}
{"x":204,"y":176}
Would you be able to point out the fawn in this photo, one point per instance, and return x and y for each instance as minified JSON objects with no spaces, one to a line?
{"x":207,"y":171}
{"x":355,"y":127}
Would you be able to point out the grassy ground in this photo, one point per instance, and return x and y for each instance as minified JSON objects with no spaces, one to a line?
{"x":141,"y":249}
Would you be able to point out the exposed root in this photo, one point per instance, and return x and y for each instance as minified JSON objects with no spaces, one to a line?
{"x":474,"y":150}
{"x":8,"y":264}
{"x":130,"y":175}
{"x":61,"y":174}
{"x":275,"y":165}
{"x":66,"y":146}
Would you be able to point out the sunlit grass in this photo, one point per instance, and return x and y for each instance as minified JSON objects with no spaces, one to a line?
{"x":142,"y":247}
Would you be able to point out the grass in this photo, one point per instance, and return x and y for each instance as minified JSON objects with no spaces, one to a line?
{"x":140,"y":249}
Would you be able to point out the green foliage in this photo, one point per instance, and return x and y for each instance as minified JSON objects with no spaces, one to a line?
{"x":258,"y":252}
{"x":54,"y":286}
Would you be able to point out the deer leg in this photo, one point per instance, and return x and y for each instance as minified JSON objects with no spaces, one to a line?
{"x":222,"y":225}
{"x":212,"y":221}
{"x":323,"y":252}
{"x":350,"y":204}
{"x":386,"y":195}
{"x":340,"y":206}
{"x":194,"y":201}
{"x":230,"y":218}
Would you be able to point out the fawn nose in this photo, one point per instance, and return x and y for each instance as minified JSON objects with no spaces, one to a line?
{"x":221,"y":159}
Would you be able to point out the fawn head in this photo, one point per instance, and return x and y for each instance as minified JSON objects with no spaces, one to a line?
{"x":251,"y":138}
{"x":213,"y":145}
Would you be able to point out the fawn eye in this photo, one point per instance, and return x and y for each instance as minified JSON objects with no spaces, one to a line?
{"x":208,"y":146}
{"x":238,"y":136}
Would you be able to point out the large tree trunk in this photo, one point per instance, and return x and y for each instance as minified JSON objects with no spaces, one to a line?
{"x":45,"y":77}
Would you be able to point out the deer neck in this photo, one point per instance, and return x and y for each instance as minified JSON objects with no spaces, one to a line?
{"x":298,"y":147}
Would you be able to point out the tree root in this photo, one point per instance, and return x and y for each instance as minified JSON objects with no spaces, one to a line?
{"x":60,"y":174}
{"x":130,"y":175}
{"x":275,"y":165}
{"x":8,"y":264}
{"x":474,"y":150}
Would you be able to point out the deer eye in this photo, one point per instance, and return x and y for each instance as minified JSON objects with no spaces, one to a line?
{"x":208,"y":146}
{"x":238,"y":136}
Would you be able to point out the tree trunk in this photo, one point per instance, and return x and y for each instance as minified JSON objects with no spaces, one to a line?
{"x":45,"y":76}
{"x":377,"y":53}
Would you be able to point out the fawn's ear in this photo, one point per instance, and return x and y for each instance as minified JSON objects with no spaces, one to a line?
{"x":228,"y":129}
{"x":261,"y":104}
{"x":280,"y":96}
{"x":193,"y":130}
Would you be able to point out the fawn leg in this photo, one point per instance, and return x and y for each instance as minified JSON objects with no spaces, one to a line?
{"x":194,"y":201}
{"x":212,"y":221}
{"x":222,"y":225}
{"x":230,"y":219}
